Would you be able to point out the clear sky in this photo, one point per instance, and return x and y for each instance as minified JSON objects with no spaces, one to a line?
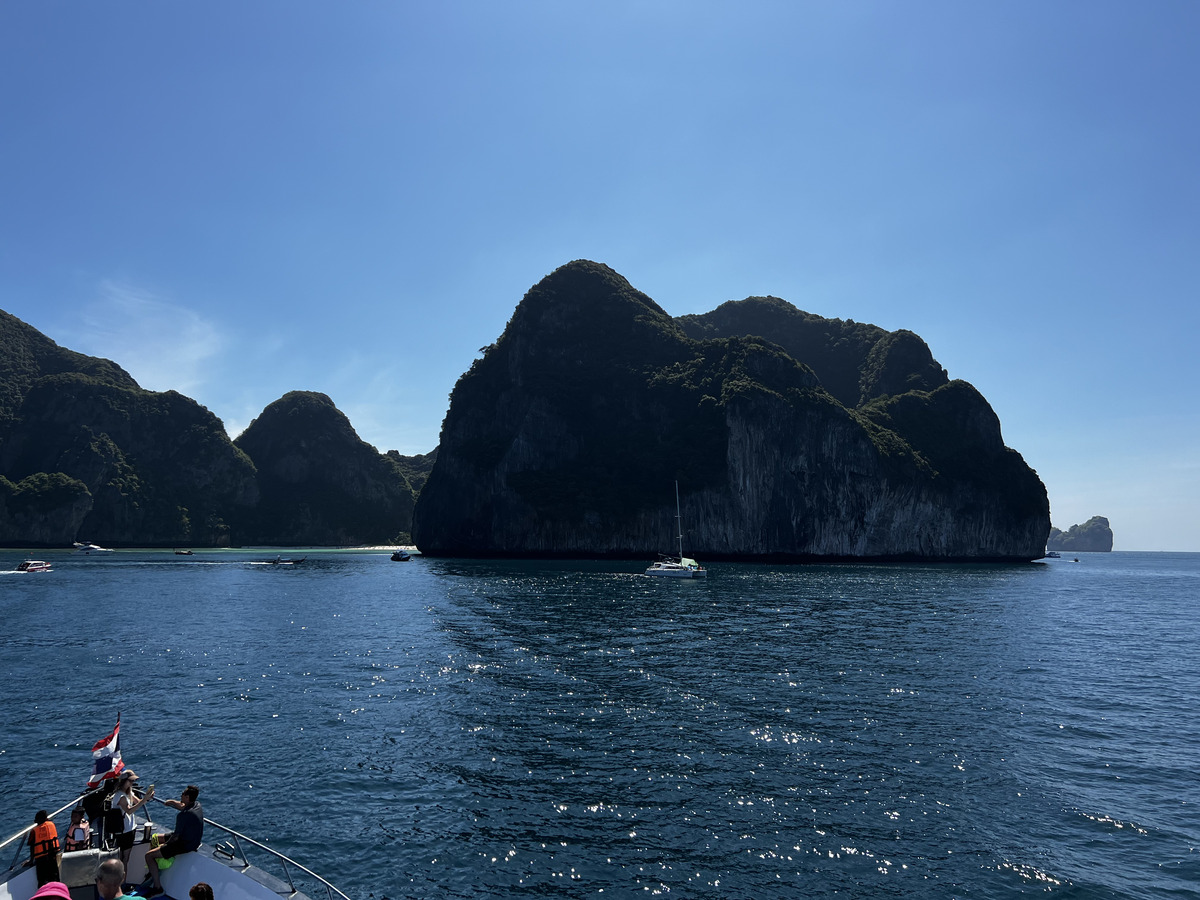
{"x":237,"y":199}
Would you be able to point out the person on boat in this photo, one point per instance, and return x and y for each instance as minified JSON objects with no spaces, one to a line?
{"x":128,"y":804}
{"x":79,"y":833}
{"x":43,"y":848}
{"x":110,"y":878}
{"x":93,"y":806}
{"x":189,"y":831}
{"x":52,"y":890}
{"x":200,"y":891}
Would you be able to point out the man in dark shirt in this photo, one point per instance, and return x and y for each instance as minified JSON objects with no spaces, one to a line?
{"x":189,"y":829}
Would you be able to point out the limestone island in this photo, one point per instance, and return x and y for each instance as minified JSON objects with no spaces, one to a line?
{"x":791,"y":436}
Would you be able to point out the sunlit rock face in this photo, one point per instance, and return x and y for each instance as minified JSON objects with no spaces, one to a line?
{"x":791,"y":437}
{"x":1093,"y":536}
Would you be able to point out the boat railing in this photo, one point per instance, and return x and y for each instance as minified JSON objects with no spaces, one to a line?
{"x":233,"y":853}
{"x":19,"y":837}
{"x":229,"y":851}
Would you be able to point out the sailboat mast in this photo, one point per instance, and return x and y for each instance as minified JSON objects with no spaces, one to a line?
{"x":678,"y":521}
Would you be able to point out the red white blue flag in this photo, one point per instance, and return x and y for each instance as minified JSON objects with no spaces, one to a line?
{"x":107,"y":756}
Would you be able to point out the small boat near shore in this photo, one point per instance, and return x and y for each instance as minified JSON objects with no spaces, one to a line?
{"x":225,"y":864}
{"x":401,"y":555}
{"x":33,"y":565}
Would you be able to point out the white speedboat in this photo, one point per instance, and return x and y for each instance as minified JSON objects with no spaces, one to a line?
{"x":224,"y":863}
{"x":677,"y":566}
{"x":90,"y":549}
{"x":34,"y":565}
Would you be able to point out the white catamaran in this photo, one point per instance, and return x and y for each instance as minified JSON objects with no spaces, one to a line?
{"x":681,"y":566}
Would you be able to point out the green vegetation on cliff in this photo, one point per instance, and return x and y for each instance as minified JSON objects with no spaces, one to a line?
{"x":1093,"y":536}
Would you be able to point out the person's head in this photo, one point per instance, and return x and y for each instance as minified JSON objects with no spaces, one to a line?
{"x":52,"y":889}
{"x":77,"y":815}
{"x":109,"y":878}
{"x":127,"y":780}
{"x":191,"y":794}
{"x":40,"y":816}
{"x":200,"y":891}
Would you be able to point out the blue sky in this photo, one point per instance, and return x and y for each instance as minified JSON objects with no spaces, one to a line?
{"x":235,"y":200}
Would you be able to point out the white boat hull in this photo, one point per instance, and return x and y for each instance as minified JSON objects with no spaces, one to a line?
{"x":79,"y":870}
{"x":675,"y":570}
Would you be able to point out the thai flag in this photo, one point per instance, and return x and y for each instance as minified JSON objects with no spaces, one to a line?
{"x":107,"y":754}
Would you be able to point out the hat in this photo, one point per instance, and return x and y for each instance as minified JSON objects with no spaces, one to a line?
{"x":127,"y":775}
{"x":52,"y":889}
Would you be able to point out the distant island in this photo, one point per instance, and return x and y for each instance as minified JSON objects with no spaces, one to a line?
{"x":792,"y":437}
{"x":1093,"y":536}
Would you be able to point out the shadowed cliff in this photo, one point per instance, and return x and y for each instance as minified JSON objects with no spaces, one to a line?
{"x":567,"y":436}
{"x":320,"y":483}
{"x":86,"y":453}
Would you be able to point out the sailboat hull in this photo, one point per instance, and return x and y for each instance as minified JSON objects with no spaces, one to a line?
{"x":675,"y":570}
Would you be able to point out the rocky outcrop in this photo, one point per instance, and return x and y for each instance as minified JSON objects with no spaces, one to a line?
{"x":86,"y":453}
{"x":854,"y":361}
{"x":566,"y":439}
{"x":42,"y":510}
{"x":319,"y":482}
{"x":1093,"y":536}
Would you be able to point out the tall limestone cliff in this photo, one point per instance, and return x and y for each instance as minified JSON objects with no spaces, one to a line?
{"x":84,"y":451}
{"x":831,"y":440}
{"x":321,"y":484}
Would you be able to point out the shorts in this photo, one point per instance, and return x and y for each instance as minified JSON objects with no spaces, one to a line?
{"x":173,"y":847}
{"x":125,"y":840}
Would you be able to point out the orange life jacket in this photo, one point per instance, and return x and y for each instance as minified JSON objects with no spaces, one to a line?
{"x":45,"y":839}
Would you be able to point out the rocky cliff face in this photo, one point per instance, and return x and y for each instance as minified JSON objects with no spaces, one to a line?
{"x":86,"y":453}
{"x":320,"y":483}
{"x":566,"y":438}
{"x":1093,"y":536}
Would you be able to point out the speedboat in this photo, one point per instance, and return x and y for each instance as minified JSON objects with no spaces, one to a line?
{"x":89,"y":549}
{"x":677,"y":566}
{"x":225,"y":864}
{"x":1053,"y":554}
{"x":34,"y":565}
{"x":400,"y":555}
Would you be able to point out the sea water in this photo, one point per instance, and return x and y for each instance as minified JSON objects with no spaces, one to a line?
{"x":443,"y":728}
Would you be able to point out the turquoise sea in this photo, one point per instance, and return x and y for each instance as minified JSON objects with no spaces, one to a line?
{"x":462,"y":729}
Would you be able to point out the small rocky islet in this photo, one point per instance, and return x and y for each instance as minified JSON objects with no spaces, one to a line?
{"x":792,"y":437}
